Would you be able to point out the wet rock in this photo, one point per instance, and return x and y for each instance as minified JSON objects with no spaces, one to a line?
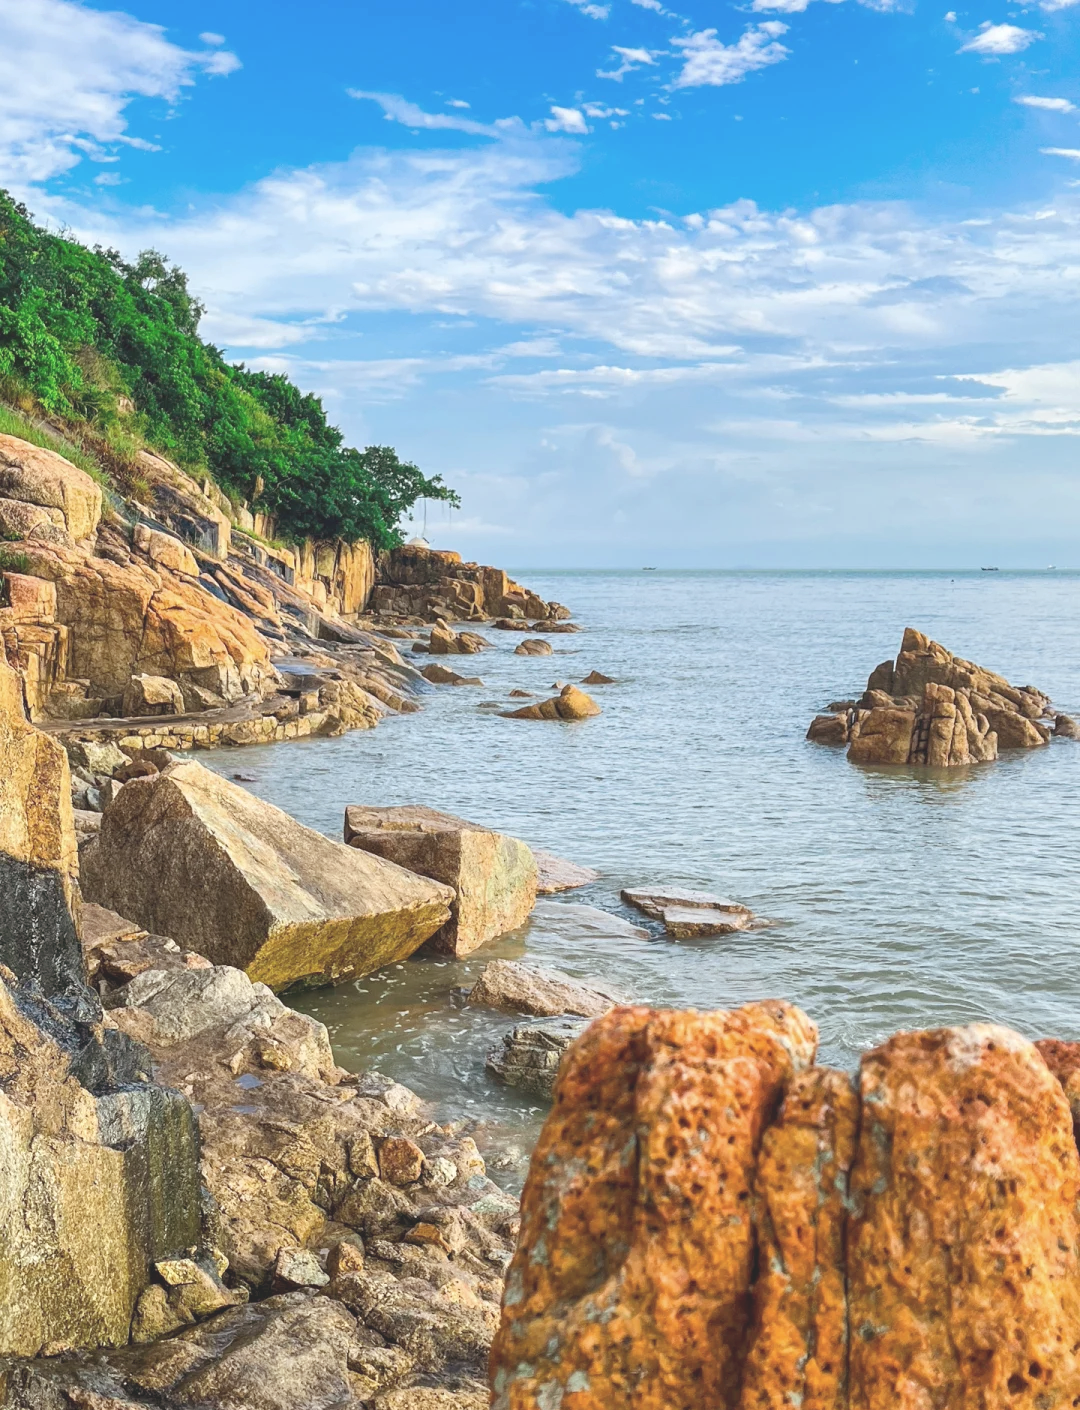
{"x":597,"y":678}
{"x":663,"y":1242}
{"x":555,"y":874}
{"x":797,"y":1350}
{"x":190,"y":855}
{"x":571,"y":920}
{"x":522,"y":695}
{"x":569,"y":704}
{"x":521,"y":988}
{"x":533,"y":646}
{"x":530,"y":1055}
{"x":689,"y":922}
{"x":493,"y":876}
{"x":442,"y":675}
{"x":655,"y":901}
{"x":963,"y":1249}
{"x":444,"y":641}
{"x":1065,"y":727}
{"x":830,"y":729}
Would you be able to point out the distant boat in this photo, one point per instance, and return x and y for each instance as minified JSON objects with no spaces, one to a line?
{"x":991,"y":570}
{"x":648,"y":570}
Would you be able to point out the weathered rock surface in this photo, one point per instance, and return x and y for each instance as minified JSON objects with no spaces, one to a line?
{"x":534,"y":646}
{"x":555,"y":874}
{"x":31,"y":475}
{"x":493,"y":876}
{"x":689,"y":922}
{"x":190,"y":855}
{"x":425,"y":583}
{"x":530,"y":1055}
{"x":932,"y":708}
{"x":444,"y":641}
{"x":1065,"y":727}
{"x":569,"y":704}
{"x":681,"y":905}
{"x":631,"y":1281}
{"x":152,"y":695}
{"x":523,"y":988}
{"x":442,"y":675}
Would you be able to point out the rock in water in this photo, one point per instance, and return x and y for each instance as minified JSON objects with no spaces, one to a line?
{"x":189,"y":855}
{"x":688,"y":922}
{"x":494,"y":876}
{"x":630,"y":1286}
{"x":530,"y":1055}
{"x":963,"y":1271}
{"x":569,"y":704}
{"x":932,"y":708}
{"x":443,"y":675}
{"x":523,"y":988}
{"x":1065,"y":727}
{"x":533,"y":646}
{"x":597,"y":678}
{"x":557,"y":874}
{"x":798,"y":1352}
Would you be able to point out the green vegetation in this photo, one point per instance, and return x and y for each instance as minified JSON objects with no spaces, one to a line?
{"x":13,"y":562}
{"x":111,"y":350}
{"x":16,"y":423}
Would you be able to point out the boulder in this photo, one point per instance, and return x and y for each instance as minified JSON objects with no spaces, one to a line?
{"x":443,"y":641}
{"x":962,"y":1249}
{"x":530,"y":1055}
{"x":493,"y":876}
{"x":165,"y":551}
{"x":569,"y":704}
{"x":32,"y":475}
{"x":556,"y":874}
{"x":522,"y":988}
{"x":830,"y":729}
{"x":1065,"y":727}
{"x":152,"y":695}
{"x":533,"y":646}
{"x":442,"y":675}
{"x":661,"y":1242}
{"x":190,"y":855}
{"x":596,"y":678}
{"x":655,"y":901}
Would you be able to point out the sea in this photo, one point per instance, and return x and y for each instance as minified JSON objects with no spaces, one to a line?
{"x":897,"y":898}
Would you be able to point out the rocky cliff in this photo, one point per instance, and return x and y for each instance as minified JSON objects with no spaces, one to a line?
{"x":710,"y":1219}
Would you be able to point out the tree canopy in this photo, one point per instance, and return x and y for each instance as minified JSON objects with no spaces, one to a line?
{"x":86,"y":335}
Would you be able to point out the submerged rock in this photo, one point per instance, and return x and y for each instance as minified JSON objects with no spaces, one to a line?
{"x":192,"y":856}
{"x":530,"y":1055}
{"x":493,"y":875}
{"x":522,"y":988}
{"x":557,"y":874}
{"x":687,"y":914}
{"x":596,"y":678}
{"x":569,"y":704}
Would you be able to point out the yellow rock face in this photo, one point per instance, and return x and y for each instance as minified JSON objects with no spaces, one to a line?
{"x":189,"y":855}
{"x":569,"y":704}
{"x":36,"y":822}
{"x":32,"y":475}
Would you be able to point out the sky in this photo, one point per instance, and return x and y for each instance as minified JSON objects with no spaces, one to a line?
{"x":782,"y":283}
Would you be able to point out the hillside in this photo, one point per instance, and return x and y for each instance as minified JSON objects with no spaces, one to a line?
{"x":110,"y":352}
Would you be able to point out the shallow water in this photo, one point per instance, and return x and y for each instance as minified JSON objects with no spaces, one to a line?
{"x":900,"y":898}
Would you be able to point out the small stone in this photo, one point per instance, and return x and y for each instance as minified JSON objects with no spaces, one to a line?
{"x":440,"y":1172}
{"x":362,"y":1160}
{"x":529,"y":1056}
{"x":298,"y":1268}
{"x":346,"y":1257}
{"x":401,"y":1161}
{"x":427,"y":1236}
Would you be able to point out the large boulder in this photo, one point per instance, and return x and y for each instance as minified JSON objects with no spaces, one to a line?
{"x":636,"y":1272}
{"x":493,"y":876}
{"x":32,"y":475}
{"x":189,"y":855}
{"x":569,"y":704}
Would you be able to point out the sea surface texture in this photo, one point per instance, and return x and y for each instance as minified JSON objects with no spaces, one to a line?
{"x":899,"y":898}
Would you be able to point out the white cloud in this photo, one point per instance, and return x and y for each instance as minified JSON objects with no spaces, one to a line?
{"x":1051,"y":105}
{"x":594,"y":12}
{"x":999,"y":39}
{"x":457,"y":103}
{"x":210,"y":38}
{"x":597,"y":110}
{"x":631,"y":59}
{"x":398,"y":109}
{"x":650,"y":5}
{"x":1073,"y":153}
{"x":566,"y":120}
{"x":67,"y":76}
{"x":707,"y":62}
{"x":1051,"y":5}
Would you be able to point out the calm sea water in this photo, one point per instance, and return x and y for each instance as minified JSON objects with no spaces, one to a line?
{"x":901,"y":898}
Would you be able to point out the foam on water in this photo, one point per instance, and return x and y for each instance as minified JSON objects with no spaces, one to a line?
{"x":901,"y":898}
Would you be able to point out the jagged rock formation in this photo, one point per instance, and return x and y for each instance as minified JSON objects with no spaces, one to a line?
{"x":98,"y":1164}
{"x":427,"y":583}
{"x":711,"y":1220}
{"x":192,"y":856}
{"x":932,"y":708}
{"x":493,"y":875}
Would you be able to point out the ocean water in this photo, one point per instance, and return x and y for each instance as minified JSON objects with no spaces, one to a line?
{"x":899,"y":898}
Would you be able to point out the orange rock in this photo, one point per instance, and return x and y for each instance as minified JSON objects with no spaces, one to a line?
{"x":798,"y":1345}
{"x":630,"y":1284}
{"x":963,"y":1271}
{"x":569,"y":704}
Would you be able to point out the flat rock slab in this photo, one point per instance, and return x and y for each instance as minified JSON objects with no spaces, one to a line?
{"x":557,"y":874}
{"x":493,"y":876}
{"x":190,"y":855}
{"x":654,"y":901}
{"x":530,"y":1055}
{"x":523,"y":988}
{"x":572,"y":919}
{"x":685,"y":922}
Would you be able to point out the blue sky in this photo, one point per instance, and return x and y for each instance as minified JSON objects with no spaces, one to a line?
{"x":787,"y":282}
